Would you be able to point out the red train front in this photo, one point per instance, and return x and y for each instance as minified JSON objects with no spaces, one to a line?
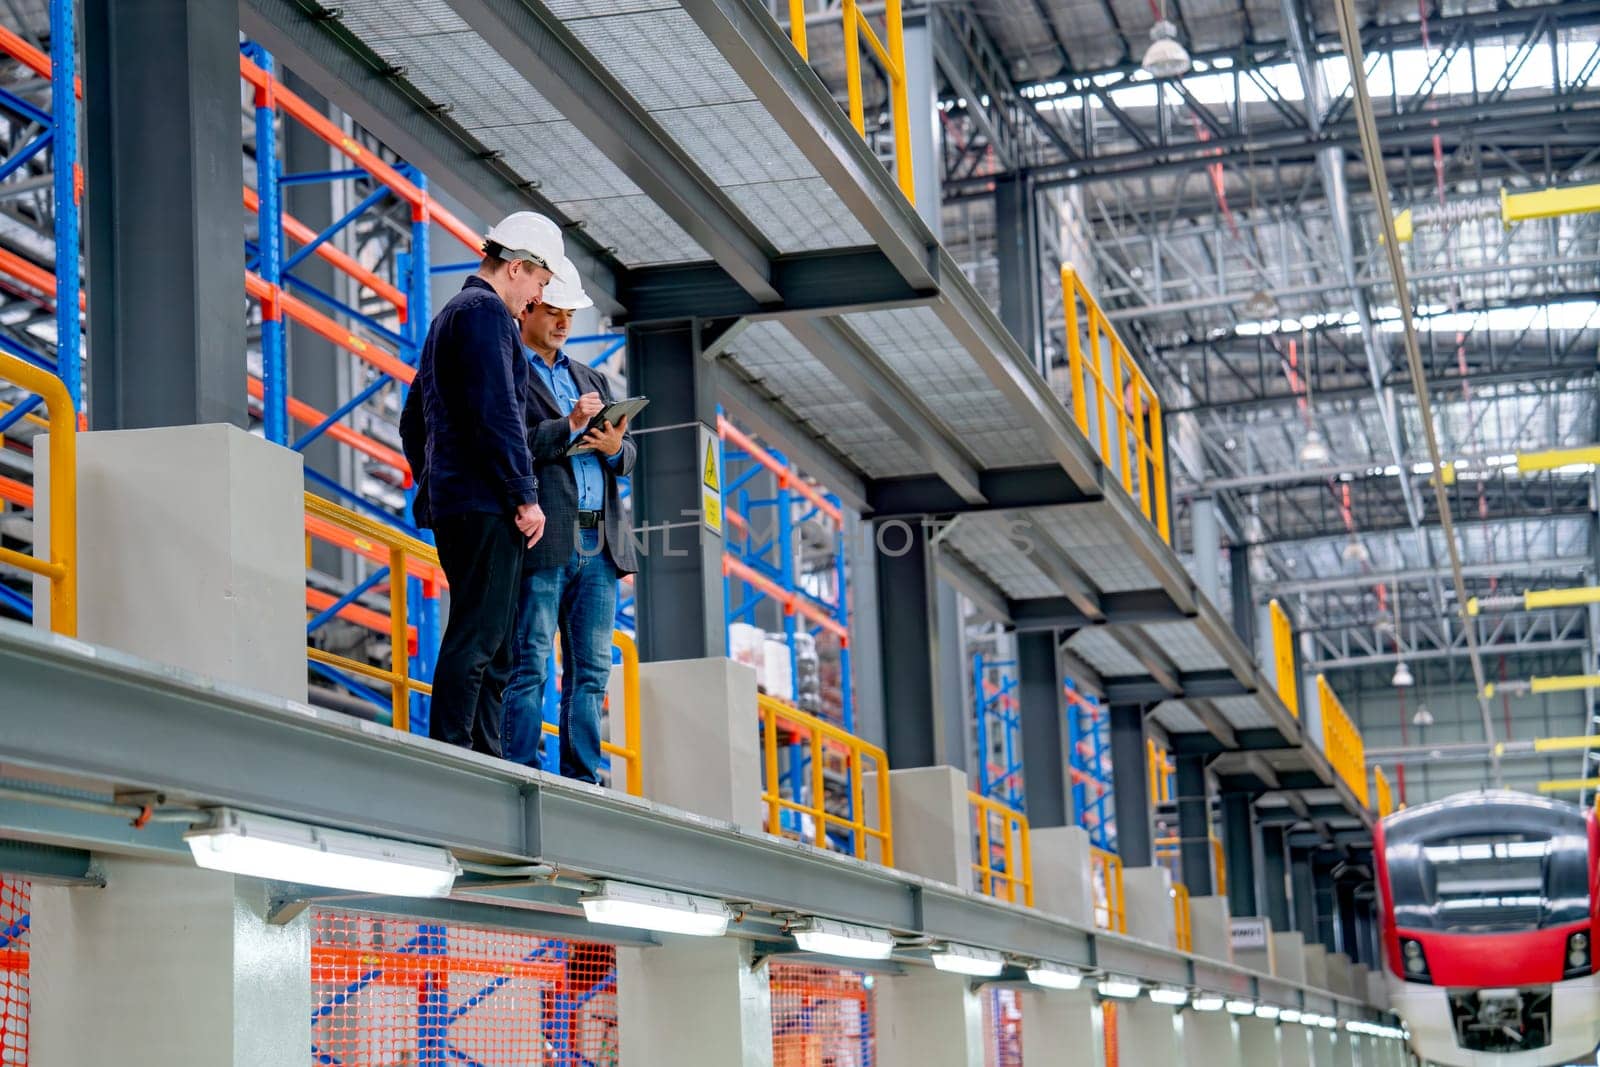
{"x":1489,"y":925}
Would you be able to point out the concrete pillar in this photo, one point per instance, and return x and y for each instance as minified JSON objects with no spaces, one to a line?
{"x":1294,"y":1045}
{"x":1213,"y":936}
{"x":167,"y":964}
{"x":1258,"y":1041}
{"x":1147,"y":892}
{"x":1322,"y":1048}
{"x":1259,"y":952}
{"x":932,"y":818}
{"x":1044,"y":743}
{"x":1061,"y":1029}
{"x":1289,"y":957}
{"x":1061,"y":881}
{"x":1378,"y":989}
{"x":1344,"y":1053}
{"x":1147,"y":1033}
{"x":697,"y":725}
{"x":1316,"y":966}
{"x":1210,"y":1039}
{"x":1194,"y":825}
{"x":1339,"y":973}
{"x":191,"y":552}
{"x":929,"y":1019}
{"x":693,"y":1002}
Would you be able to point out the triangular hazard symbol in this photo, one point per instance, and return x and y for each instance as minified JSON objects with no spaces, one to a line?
{"x":710,"y":480}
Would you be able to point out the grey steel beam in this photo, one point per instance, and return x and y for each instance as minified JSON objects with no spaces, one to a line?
{"x":925,"y":727}
{"x":1017,"y":250}
{"x":1565,"y":564}
{"x":839,"y":348}
{"x":1214,"y":721}
{"x":1116,"y":609}
{"x":832,"y":282}
{"x":1044,"y":748}
{"x":50,"y":864}
{"x":1002,"y":489}
{"x":162,"y":260}
{"x":1172,"y":683}
{"x":1194,"y":825}
{"x":1130,"y":789}
{"x":679,"y":587}
{"x":342,"y":67}
{"x":542,"y":50}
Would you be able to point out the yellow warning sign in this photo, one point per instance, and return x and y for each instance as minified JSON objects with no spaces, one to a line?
{"x":711,"y":480}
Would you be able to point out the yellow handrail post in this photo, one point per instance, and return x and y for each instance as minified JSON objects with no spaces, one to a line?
{"x":61,"y":568}
{"x":797,"y":27}
{"x":1183,"y":918}
{"x":1075,"y":379}
{"x":903,"y":165}
{"x":400,"y":659}
{"x":633,"y":751}
{"x":852,"y":64}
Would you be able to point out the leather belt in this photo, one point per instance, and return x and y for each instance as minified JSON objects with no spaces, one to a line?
{"x":589,"y":520}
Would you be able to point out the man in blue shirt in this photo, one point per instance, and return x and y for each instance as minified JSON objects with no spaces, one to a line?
{"x":466,"y":440}
{"x":569,"y":578}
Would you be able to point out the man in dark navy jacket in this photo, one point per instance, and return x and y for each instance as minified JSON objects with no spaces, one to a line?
{"x":569,"y":579}
{"x":476,"y":484}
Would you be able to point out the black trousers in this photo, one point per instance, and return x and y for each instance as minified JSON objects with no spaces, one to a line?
{"x":482,"y":560}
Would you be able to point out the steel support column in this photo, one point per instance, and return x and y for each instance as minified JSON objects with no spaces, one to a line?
{"x":923,"y":719}
{"x":1017,"y":250}
{"x":1044,"y":750}
{"x":679,"y":587}
{"x":1194,"y":825}
{"x":1207,"y":547}
{"x":163,"y":139}
{"x":1346,"y":931}
{"x":927,"y":138}
{"x":1303,"y":886}
{"x":1243,"y":598}
{"x":1238,"y":850}
{"x":1275,"y":876}
{"x":1130,"y":786}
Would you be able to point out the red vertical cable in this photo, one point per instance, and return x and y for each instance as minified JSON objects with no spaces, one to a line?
{"x":1405,"y":740}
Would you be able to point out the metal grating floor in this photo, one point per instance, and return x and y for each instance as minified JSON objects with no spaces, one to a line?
{"x":983,"y":540}
{"x":1176,"y":718}
{"x":1244,"y":713}
{"x":1185,"y":645}
{"x":1104,"y":654}
{"x":1093,"y":539}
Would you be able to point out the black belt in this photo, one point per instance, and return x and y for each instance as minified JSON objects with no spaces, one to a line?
{"x":589,"y":520}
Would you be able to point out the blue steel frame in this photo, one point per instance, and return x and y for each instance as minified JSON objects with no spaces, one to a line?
{"x":1089,"y":758}
{"x":998,"y":719}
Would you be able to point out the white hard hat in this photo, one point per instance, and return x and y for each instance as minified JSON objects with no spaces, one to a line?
{"x":565,"y":290}
{"x":528,"y":235}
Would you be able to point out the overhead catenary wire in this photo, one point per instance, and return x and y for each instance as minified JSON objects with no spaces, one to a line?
{"x":1377,"y":175}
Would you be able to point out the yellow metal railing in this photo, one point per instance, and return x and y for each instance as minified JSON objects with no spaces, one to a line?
{"x":407,"y":557}
{"x":1170,"y":848}
{"x":60,"y":567}
{"x":822,"y":736}
{"x":1015,"y":869}
{"x":1341,"y":741}
{"x":1115,"y":404}
{"x":891,"y":58}
{"x":1286,"y":679}
{"x":1158,"y":769}
{"x":1183,"y":918}
{"x":1384,"y":794}
{"x":1110,"y":908}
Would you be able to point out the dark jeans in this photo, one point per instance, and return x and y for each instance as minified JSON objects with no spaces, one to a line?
{"x":482,"y":557}
{"x":580,"y":598}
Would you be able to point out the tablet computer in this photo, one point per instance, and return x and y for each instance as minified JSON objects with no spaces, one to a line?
{"x":613,"y":413}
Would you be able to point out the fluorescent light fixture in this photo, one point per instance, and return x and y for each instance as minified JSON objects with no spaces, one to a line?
{"x":1207,"y":1002}
{"x":1290,"y":1015}
{"x":964,"y":959}
{"x":260,"y":846}
{"x":1328,"y":1022}
{"x":1171,"y":995}
{"x":1119,"y":988}
{"x":1267,"y":1011}
{"x":829,"y":938}
{"x":1053,"y":976}
{"x":1241,"y":1007}
{"x":624,"y":904}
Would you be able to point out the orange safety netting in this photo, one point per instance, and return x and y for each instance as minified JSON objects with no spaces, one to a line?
{"x":1002,"y":1028}
{"x":821,"y":1017}
{"x":391,"y":992}
{"x":15,"y":905}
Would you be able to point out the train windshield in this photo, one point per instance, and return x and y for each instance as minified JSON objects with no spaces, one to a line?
{"x":1489,"y":868}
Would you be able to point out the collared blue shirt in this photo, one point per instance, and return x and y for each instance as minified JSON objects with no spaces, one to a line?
{"x":585,"y":465}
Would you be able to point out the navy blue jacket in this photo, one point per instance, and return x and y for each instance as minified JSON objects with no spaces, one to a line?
{"x":462,"y":427}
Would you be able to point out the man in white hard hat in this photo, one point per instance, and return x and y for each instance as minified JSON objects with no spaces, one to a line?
{"x":467,"y":443}
{"x":569,"y":579}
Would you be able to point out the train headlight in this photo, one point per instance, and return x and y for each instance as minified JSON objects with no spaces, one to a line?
{"x":1415,"y":962}
{"x":1578,"y":961}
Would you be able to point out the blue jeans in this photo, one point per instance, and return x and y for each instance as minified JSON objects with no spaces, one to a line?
{"x":580,"y":598}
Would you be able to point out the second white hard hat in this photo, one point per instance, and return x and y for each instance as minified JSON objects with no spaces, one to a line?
{"x":528,"y":235}
{"x":565,"y":290}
